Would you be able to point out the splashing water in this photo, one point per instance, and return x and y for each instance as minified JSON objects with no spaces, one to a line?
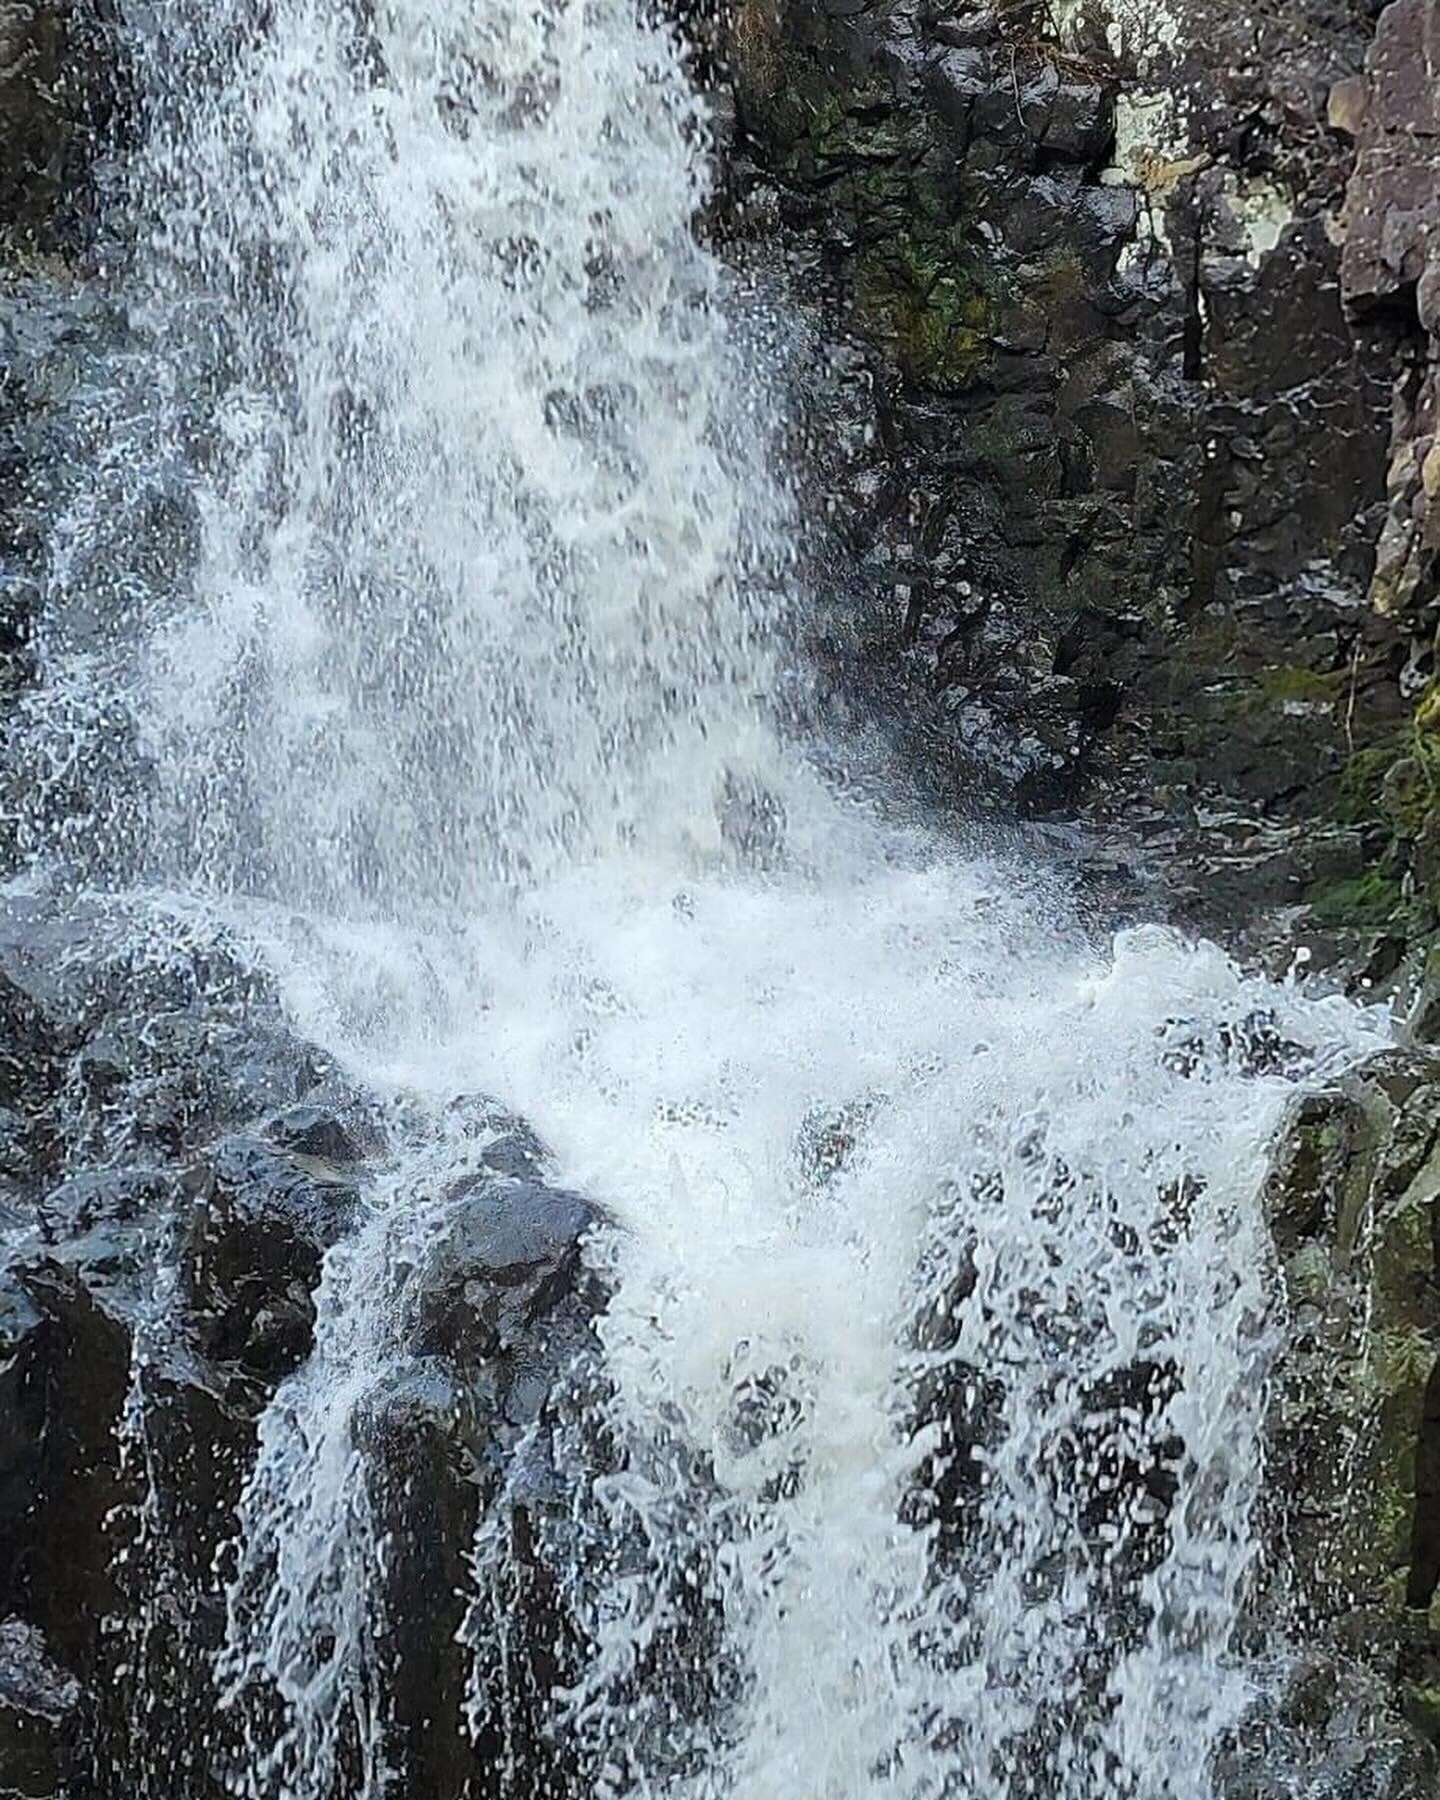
{"x":452,"y":683}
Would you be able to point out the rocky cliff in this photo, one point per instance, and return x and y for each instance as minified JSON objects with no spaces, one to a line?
{"x":1142,"y":340}
{"x":1118,"y":414}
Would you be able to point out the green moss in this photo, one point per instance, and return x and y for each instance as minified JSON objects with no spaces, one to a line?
{"x":1401,"y":1358}
{"x":922,"y":293}
{"x":1427,"y":710}
{"x":1404,"y":1254}
{"x":1362,"y":784}
{"x":816,"y":130}
{"x":1422,"y":1706}
{"x":1293,"y":683}
{"x":890,"y":205}
{"x":1392,"y":1477}
{"x":1369,"y":899}
{"x":1408,"y":797}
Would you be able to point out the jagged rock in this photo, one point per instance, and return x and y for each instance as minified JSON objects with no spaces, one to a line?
{"x":38,"y":1702}
{"x":1355,"y":1483}
{"x":1391,"y":264}
{"x":502,"y":1311}
{"x":21,"y":1417}
{"x":319,"y":1131}
{"x":1392,"y":199}
{"x":256,"y":1237}
{"x":1108,"y":381}
{"x":507,"y":1256}
{"x":1326,"y":1729}
{"x":150,"y":1306}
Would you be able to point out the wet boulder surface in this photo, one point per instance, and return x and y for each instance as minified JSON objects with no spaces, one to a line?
{"x":187,"y":1167}
{"x":1352,"y":1499}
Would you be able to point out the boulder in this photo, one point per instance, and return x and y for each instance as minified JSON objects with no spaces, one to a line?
{"x":1354,"y":1489}
{"x":500,"y":1305}
{"x":261,"y":1220}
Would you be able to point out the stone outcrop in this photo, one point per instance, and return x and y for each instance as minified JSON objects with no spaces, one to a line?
{"x":1109,"y":436}
{"x":177,"y":1166}
{"x":1354,"y":1203}
{"x":1390,"y":278}
{"x":1390,"y":267}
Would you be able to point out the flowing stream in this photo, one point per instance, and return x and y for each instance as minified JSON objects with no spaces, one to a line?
{"x":464,"y":693}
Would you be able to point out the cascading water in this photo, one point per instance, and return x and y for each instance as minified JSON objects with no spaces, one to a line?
{"x":938,"y":1322}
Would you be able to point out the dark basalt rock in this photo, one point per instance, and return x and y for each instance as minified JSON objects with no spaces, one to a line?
{"x":135,"y":1341}
{"x":63,"y":92}
{"x":1353,"y":1489}
{"x":1083,"y":380}
{"x":501,"y":1315}
{"x":509,"y":1248}
{"x":260,"y":1224}
{"x":38,"y":1705}
{"x":1390,"y":271}
{"x":150,"y":1311}
{"x":182,"y":1167}
{"x":320,"y":1132}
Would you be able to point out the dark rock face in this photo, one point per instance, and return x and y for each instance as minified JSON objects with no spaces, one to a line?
{"x":1354,"y":1492}
{"x":1390,"y":275}
{"x":260,"y":1224}
{"x":38,"y":1701}
{"x":1391,"y":270}
{"x":1109,"y":439}
{"x":160,"y":1283}
{"x":133,"y":1347}
{"x":60,"y":85}
{"x":500,"y":1326}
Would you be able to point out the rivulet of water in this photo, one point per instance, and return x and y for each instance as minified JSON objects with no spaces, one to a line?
{"x":442,"y":663}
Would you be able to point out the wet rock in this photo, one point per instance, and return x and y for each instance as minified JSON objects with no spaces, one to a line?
{"x":1325,"y":1728}
{"x":1084,"y":312}
{"x":38,"y":1704}
{"x":63,"y":91}
{"x":416,"y":1431}
{"x":75,"y":1379}
{"x":323,"y":1133}
{"x":261,"y":1221}
{"x":1355,"y":1480}
{"x":21,"y":1417}
{"x":502,"y":1316}
{"x":1391,"y":268}
{"x":509,"y":1251}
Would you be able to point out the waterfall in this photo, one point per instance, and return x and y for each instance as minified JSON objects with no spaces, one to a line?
{"x":427,"y":622}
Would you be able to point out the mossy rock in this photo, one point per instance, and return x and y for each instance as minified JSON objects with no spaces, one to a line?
{"x":1294,"y":685}
{"x":920,"y":295}
{"x":1373,"y":898}
{"x":1352,"y":1200}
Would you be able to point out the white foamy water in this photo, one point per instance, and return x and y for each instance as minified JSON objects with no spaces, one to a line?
{"x":941,"y":1311}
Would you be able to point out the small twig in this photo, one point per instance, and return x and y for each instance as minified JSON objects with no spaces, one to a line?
{"x":1015,"y":86}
